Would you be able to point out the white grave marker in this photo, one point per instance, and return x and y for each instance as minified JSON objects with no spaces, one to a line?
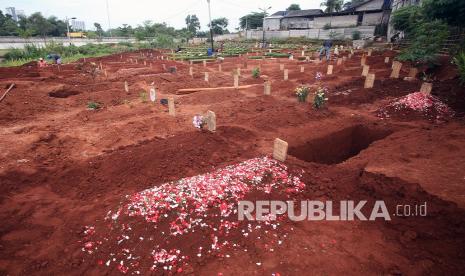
{"x":153,"y":94}
{"x":126,"y":87}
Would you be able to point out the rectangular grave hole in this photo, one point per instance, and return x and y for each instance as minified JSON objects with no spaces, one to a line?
{"x":339,"y":146}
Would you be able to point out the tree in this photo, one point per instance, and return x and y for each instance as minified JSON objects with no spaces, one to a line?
{"x":294,"y":7}
{"x":332,"y":5}
{"x":39,"y":25}
{"x":219,"y":25}
{"x":252,"y":20}
{"x":125,"y":30}
{"x":427,"y":40}
{"x":407,"y":18}
{"x":98,"y":29}
{"x":58,"y":27}
{"x":7,"y":25}
{"x":451,"y":11}
{"x":193,"y":24}
{"x":349,"y":4}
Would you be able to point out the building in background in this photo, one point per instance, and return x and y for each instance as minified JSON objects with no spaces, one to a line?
{"x":370,"y":17}
{"x":14,"y":13}
{"x":20,"y":13}
{"x":78,"y":25}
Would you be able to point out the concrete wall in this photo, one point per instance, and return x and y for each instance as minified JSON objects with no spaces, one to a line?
{"x":296,"y":23}
{"x":366,"y":32}
{"x":336,"y":21}
{"x":272,"y":24}
{"x":372,"y":5}
{"x":17,"y":42}
{"x":227,"y":37}
{"x":372,"y":18}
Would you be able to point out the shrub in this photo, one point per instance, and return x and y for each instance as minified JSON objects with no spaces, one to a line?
{"x":459,"y":61}
{"x":356,"y":35}
{"x":256,"y":73}
{"x":93,"y":105}
{"x":320,"y":97}
{"x":427,"y":41}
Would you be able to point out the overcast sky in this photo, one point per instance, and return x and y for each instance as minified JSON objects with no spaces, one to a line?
{"x":134,"y":12}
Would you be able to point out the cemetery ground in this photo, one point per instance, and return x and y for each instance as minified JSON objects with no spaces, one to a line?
{"x":66,"y":167}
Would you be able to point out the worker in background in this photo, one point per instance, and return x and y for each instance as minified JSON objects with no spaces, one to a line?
{"x":327,"y":44}
{"x":42,"y":63}
{"x":56,"y":58}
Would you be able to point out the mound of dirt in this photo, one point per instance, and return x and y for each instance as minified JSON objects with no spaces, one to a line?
{"x":168,"y":227}
{"x":416,"y":105}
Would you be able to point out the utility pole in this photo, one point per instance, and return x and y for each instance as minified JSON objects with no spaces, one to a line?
{"x":263,"y":25}
{"x":211,"y":27}
{"x":67,"y":26}
{"x":108,"y":16}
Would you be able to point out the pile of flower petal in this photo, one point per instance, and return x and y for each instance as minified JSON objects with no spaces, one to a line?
{"x":175,"y":225}
{"x":418,"y":103}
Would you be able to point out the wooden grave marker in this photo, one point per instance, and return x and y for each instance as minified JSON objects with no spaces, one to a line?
{"x":370,"y":81}
{"x":126,"y":87}
{"x":302,"y":69}
{"x":267,"y":88}
{"x":171,"y":108}
{"x":339,"y":62}
{"x":280,"y":148}
{"x":211,"y":121}
{"x":426,"y":87}
{"x":236,"y":81}
{"x":281,"y":67}
{"x":206,"y":77}
{"x":413,"y":72}
{"x":366,"y":70}
{"x":330,"y":70}
{"x":363,"y":61}
{"x":286,"y":74}
{"x":386,"y":60}
{"x":396,"y":66}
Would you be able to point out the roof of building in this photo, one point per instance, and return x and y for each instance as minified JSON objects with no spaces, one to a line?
{"x":386,"y":4}
{"x":299,"y":13}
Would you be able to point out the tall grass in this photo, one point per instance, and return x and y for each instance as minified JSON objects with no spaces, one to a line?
{"x":17,"y":57}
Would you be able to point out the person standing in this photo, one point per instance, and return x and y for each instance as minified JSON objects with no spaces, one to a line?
{"x":327,"y":44}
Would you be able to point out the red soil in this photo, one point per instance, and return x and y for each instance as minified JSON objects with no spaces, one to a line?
{"x":64,"y":167}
